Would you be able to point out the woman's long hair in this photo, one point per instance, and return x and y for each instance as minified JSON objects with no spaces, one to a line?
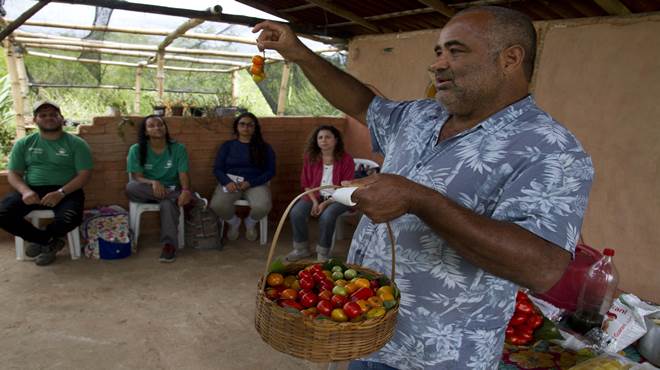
{"x":314,"y":151}
{"x":257,"y":143}
{"x":143,"y":139}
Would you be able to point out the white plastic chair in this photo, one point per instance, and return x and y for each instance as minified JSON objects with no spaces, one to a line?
{"x":73,"y":236}
{"x":263,"y":223}
{"x":135,"y":211}
{"x":339,"y":226}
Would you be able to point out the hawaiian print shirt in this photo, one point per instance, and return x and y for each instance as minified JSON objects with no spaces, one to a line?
{"x":519,"y":165}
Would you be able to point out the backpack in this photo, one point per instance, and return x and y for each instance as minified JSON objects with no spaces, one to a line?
{"x":106,"y":233}
{"x":202,"y":229}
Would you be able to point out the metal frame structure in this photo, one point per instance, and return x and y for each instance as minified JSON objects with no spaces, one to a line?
{"x":18,"y":44}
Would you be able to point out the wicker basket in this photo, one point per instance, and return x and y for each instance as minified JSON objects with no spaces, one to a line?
{"x":320,"y":340}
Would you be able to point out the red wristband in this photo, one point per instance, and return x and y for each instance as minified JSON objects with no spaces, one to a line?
{"x":185,"y":190}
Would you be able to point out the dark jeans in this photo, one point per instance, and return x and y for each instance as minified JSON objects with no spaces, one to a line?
{"x":364,"y":365}
{"x":68,"y":215}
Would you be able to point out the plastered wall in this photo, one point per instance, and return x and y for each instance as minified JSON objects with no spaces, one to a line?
{"x":601,"y":78}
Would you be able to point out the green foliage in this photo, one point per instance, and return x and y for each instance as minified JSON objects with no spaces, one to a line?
{"x":7,"y":126}
{"x":82,"y":104}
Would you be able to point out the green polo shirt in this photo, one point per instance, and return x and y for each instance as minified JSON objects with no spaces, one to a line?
{"x":50,"y":162}
{"x":164,"y":167}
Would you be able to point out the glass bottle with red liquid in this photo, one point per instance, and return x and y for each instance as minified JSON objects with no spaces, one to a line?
{"x":596,"y":295}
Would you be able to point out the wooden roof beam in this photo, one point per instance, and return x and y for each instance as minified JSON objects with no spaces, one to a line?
{"x":138,"y":54}
{"x":297,"y":8}
{"x":126,"y":46}
{"x":142,"y":31}
{"x":187,"y":13}
{"x":440,"y":7}
{"x":169,"y":39}
{"x":342,"y":12}
{"x":613,"y":7}
{"x":122,"y":64}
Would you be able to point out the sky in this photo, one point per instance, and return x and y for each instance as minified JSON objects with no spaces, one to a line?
{"x":83,"y":14}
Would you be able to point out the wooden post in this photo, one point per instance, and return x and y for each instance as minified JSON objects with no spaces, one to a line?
{"x":15,"y":89}
{"x":160,"y":75}
{"x":234,"y":88}
{"x":23,"y":80}
{"x":284,"y":89}
{"x":138,"y":89}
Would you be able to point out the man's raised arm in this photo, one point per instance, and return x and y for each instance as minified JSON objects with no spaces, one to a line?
{"x":342,"y":90}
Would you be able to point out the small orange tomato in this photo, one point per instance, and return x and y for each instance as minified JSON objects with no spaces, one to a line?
{"x":340,"y":282}
{"x":328,"y":274}
{"x":385,"y":289}
{"x":362,"y":283}
{"x":375,"y":312}
{"x":386,"y":296}
{"x":258,"y":59}
{"x":338,"y":315}
{"x":296,"y":284}
{"x":256,"y":70}
{"x":289,"y":294}
{"x":288,"y":280}
{"x":272,"y":294}
{"x":364,"y":305}
{"x":375,"y":302}
{"x":351,"y":287}
{"x":275,"y":279}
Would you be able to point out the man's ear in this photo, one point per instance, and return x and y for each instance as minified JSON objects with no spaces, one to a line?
{"x":512,"y":58}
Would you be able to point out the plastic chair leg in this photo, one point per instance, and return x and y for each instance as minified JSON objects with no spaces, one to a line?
{"x":20,"y":248}
{"x":181,"y":229}
{"x":263,"y":230}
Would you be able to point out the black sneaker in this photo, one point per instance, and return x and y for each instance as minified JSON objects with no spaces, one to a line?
{"x":168,"y":254}
{"x":33,"y":250}
{"x":49,"y":251}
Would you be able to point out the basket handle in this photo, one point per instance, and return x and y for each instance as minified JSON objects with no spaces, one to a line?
{"x":284,"y":217}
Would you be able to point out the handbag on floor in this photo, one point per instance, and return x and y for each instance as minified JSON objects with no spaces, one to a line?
{"x":106,"y":233}
{"x":203,"y":230}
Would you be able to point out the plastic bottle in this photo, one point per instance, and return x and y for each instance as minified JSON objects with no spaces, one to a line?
{"x":596,"y":295}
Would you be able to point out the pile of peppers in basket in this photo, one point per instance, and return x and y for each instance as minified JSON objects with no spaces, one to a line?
{"x":525,"y":321}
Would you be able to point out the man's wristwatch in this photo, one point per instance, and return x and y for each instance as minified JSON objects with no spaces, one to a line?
{"x":61,"y":191}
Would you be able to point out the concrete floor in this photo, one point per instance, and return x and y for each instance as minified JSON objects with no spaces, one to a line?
{"x":137,"y":313}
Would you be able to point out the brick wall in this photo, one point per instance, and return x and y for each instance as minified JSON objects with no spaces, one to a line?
{"x":110,"y":140}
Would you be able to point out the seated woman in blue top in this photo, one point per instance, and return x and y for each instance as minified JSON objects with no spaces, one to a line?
{"x":158,"y":167}
{"x":243,"y":167}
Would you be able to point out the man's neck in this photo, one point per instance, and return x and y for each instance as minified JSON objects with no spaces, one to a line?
{"x":51,"y":135}
{"x":458,"y":123}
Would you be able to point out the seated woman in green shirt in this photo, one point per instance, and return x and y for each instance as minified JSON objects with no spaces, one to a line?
{"x":158,"y":167}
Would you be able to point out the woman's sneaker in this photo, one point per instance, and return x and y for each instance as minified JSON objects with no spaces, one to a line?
{"x":168,"y":254}
{"x":251,"y":233}
{"x":297,"y":255}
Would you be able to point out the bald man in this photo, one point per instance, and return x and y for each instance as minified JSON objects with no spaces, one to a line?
{"x":485,"y":191}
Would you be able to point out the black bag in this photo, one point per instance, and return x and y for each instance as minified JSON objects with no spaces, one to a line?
{"x":203,"y":230}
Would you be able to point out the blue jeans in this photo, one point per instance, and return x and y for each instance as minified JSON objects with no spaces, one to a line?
{"x":300,"y":215}
{"x":364,"y":365}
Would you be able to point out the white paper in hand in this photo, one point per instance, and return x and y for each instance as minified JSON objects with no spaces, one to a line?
{"x":343,"y":196}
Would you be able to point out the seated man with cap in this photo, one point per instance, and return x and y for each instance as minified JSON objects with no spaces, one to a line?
{"x":48,"y":170}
